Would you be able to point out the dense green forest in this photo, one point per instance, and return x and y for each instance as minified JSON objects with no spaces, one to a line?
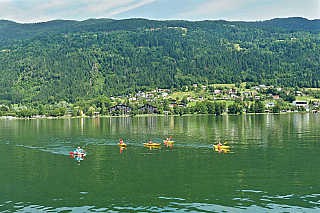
{"x":71,"y":60}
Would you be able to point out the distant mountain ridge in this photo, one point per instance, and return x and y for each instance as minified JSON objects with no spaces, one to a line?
{"x":12,"y":31}
{"x":69,"y":60}
{"x":294,"y":23}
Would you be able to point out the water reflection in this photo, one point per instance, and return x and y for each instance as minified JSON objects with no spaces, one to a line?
{"x":152,"y":146}
{"x":122,"y":148}
{"x":78,"y":158}
{"x":122,"y":145}
{"x":173,"y":205}
{"x":265,"y":171}
{"x":168,"y":143}
{"x":190,"y":130}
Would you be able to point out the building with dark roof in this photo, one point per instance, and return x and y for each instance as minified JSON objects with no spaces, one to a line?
{"x":148,"y":109}
{"x":122,"y":108}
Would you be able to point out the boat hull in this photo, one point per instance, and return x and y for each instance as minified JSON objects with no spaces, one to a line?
{"x":151,"y":144}
{"x":221,"y":147}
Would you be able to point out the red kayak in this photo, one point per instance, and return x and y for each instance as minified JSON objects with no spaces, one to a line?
{"x":75,"y":153}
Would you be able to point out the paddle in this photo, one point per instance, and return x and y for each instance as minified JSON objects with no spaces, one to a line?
{"x":168,"y":139}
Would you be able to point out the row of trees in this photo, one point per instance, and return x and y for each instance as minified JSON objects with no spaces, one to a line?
{"x":99,"y":105}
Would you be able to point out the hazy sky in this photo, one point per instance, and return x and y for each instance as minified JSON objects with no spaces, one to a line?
{"x":26,"y":11}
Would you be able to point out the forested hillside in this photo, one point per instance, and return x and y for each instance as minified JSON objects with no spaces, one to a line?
{"x":70,"y":60}
{"x":295,"y":23}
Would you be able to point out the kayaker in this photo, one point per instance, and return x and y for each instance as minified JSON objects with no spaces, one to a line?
{"x":121,"y":141}
{"x":219,"y":144}
{"x":78,"y":150}
{"x":150,"y":142}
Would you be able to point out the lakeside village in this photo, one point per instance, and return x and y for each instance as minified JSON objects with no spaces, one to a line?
{"x":195,"y":99}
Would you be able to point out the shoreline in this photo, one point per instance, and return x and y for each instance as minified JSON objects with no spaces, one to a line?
{"x":145,"y":115}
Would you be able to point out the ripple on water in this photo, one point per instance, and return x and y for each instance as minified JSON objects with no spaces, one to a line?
{"x":178,"y":204}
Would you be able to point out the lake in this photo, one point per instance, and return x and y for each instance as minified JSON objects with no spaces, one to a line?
{"x":272,"y":165}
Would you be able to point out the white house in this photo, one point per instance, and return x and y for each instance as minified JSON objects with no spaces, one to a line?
{"x":217,"y":91}
{"x":246,"y":93}
{"x":263,"y":86}
{"x":271,"y":104}
{"x":300,"y":103}
{"x":164,"y":94}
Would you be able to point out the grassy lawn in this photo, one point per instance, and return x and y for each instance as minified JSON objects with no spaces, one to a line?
{"x":306,"y":98}
{"x":208,"y":94}
{"x":243,"y":85}
{"x":191,"y":93}
{"x":227,"y":102}
{"x":192,"y":103}
{"x":223,"y":85}
{"x":182,"y":94}
{"x":306,"y":89}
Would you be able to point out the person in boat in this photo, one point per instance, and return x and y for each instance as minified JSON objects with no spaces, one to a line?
{"x":168,"y":139}
{"x":78,"y":150}
{"x":150,"y":142}
{"x":121,"y":141}
{"x":219,"y":144}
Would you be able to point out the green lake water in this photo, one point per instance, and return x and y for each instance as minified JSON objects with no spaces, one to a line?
{"x":273,"y":164}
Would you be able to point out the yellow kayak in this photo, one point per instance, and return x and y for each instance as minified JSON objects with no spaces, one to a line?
{"x":151,"y":144}
{"x":165,"y":141}
{"x":122,"y":144}
{"x":222,"y":150}
{"x":221,"y":147}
